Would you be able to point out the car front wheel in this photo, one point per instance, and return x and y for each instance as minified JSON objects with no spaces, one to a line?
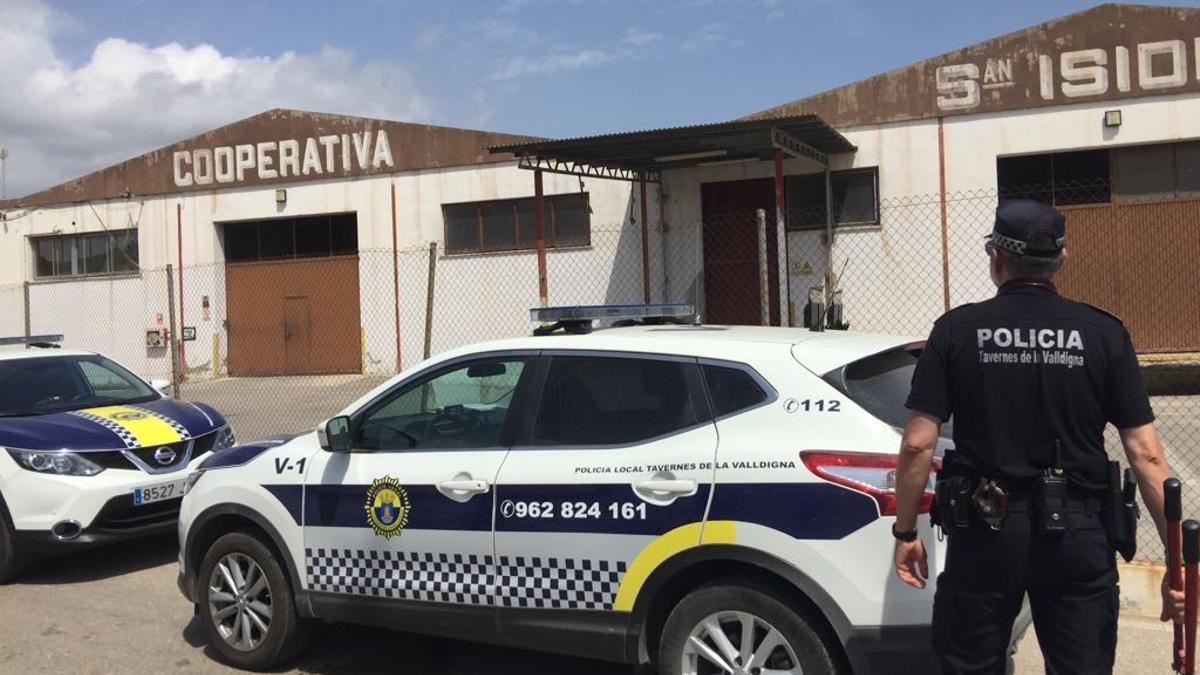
{"x":246,"y":603}
{"x":10,"y":564}
{"x":737,"y":630}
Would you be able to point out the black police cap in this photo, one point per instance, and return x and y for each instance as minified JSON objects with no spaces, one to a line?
{"x":1027,"y":227}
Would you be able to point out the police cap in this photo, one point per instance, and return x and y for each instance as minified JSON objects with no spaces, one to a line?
{"x":1028,"y":227}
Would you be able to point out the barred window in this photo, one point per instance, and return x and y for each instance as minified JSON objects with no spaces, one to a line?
{"x":303,"y":237}
{"x":508,"y":224}
{"x":78,"y":255}
{"x":1058,"y":178}
{"x":1162,"y":171}
{"x":855,"y":199}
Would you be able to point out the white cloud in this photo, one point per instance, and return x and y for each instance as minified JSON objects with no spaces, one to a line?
{"x":60,"y":121}
{"x":553,"y":63}
{"x":640,"y":38}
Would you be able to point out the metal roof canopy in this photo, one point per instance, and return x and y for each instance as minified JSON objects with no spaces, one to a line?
{"x":642,"y":155}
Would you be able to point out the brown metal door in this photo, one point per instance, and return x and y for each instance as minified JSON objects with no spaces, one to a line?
{"x":296,"y":343}
{"x":731,"y":267}
{"x":293,"y":317}
{"x":1138,"y":261}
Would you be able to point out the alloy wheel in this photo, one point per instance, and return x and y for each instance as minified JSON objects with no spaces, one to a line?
{"x":738,"y":643}
{"x":239,"y":601}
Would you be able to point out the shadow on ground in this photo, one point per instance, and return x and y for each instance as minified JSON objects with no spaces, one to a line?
{"x":343,"y":649}
{"x":102,"y":562}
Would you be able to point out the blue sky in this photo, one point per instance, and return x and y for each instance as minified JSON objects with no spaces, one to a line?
{"x":542,"y":67}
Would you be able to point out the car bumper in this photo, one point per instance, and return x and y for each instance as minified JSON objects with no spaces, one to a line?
{"x":892,"y":649}
{"x":118,"y":519}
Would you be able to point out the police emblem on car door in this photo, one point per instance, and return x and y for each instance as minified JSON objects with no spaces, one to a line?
{"x":407,"y":513}
{"x":616,"y":466}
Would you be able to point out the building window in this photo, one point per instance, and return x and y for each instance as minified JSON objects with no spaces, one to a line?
{"x":1060,"y":178}
{"x":281,"y":238}
{"x":855,"y":199}
{"x":78,"y":255}
{"x":508,"y":224}
{"x":1155,"y":172}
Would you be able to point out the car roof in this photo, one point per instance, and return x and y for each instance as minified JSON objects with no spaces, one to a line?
{"x":821,"y":348}
{"x":11,"y":352}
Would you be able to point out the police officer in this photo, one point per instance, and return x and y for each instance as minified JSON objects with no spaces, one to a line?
{"x":1029,"y":379}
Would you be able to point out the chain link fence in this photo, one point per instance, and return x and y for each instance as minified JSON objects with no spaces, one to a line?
{"x":278,"y":345}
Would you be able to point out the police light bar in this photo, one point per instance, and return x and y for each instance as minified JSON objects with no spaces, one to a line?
{"x":31,"y":340}
{"x":611,"y":312}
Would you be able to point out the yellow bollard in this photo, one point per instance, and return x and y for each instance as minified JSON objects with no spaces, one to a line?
{"x":216,"y":355}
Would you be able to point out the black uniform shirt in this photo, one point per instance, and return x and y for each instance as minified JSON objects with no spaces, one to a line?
{"x":1025,"y":368}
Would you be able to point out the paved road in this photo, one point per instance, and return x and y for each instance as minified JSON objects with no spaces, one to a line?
{"x":117,"y":610}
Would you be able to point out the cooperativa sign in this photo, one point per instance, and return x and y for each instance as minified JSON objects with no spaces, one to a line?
{"x":315,"y":156}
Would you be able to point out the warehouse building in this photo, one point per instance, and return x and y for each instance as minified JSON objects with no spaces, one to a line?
{"x":297,"y":233}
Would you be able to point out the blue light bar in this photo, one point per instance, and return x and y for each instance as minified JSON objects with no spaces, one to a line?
{"x":611,"y":312}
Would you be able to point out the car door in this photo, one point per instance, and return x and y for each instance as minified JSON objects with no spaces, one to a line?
{"x":612,"y":476}
{"x":405,"y":517}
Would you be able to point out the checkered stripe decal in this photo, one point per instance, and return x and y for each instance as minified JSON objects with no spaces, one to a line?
{"x":531,"y":582}
{"x":559,"y":583}
{"x":433,"y":577}
{"x":184,"y":434}
{"x":127,"y":437}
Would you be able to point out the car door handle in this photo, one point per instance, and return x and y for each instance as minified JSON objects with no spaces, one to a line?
{"x":474,"y":487}
{"x":675,"y":486}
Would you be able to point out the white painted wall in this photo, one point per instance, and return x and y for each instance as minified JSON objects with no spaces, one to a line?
{"x":477,"y":296}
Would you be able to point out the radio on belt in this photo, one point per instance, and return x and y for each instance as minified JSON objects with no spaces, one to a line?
{"x":577,"y":319}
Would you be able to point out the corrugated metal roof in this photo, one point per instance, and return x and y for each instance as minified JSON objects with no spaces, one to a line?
{"x":643,"y":150}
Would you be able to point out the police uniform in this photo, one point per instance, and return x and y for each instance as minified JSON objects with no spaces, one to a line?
{"x":1029,"y":379}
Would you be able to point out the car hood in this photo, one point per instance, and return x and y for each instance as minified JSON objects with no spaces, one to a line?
{"x":111,"y":427}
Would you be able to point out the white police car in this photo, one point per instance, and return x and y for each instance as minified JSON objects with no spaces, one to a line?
{"x":715,"y":499}
{"x":89,"y":452}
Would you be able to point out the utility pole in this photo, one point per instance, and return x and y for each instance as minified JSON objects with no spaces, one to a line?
{"x":3,"y":178}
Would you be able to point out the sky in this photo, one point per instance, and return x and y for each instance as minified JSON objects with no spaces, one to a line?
{"x":86,"y":84}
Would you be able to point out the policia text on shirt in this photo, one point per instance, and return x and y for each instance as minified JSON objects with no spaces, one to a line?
{"x":1030,"y":380}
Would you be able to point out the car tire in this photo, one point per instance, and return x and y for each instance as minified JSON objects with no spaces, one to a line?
{"x":241,"y":583}
{"x":795,"y":643}
{"x":11,"y":565}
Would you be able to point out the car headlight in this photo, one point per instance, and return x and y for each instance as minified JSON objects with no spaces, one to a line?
{"x":58,"y":462}
{"x":191,"y":480}
{"x":225,"y":438}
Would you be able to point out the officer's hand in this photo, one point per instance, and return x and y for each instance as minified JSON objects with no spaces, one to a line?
{"x":1172,"y":607}
{"x":911,"y":564}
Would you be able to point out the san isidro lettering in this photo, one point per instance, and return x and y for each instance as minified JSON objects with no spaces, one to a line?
{"x":287,"y":158}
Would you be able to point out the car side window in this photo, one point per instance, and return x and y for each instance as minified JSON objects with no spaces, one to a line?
{"x":465,"y":406}
{"x":598,"y":400}
{"x":731,"y":390}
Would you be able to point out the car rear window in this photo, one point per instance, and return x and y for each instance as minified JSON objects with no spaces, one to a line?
{"x":731,"y":390}
{"x":880,"y":384}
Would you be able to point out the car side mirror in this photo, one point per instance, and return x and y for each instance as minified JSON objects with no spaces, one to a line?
{"x":161,"y":386}
{"x":334,"y":434}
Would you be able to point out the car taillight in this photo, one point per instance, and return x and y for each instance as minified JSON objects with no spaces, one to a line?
{"x":871,"y":473}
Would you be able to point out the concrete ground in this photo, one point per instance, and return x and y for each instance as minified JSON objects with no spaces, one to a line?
{"x":117,"y":610}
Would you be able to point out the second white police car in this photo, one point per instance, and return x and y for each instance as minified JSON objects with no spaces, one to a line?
{"x":713,"y":499}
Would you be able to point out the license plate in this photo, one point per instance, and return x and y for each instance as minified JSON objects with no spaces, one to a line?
{"x":158,"y":493}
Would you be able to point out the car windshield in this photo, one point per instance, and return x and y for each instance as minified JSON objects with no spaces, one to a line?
{"x":880,"y":383}
{"x":36,"y":386}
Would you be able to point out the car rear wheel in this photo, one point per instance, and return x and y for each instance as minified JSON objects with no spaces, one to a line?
{"x":736,"y":630}
{"x":246,"y":603}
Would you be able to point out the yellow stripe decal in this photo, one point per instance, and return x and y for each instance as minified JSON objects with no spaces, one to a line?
{"x":656,"y":552}
{"x":144,"y":427}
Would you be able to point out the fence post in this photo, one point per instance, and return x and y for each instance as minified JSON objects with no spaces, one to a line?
{"x":429,"y":297}
{"x":764,"y":293}
{"x":28,"y":317}
{"x":173,"y":342}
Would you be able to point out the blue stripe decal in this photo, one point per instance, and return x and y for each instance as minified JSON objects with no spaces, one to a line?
{"x":291,"y":496}
{"x":801,"y":510}
{"x":814,"y":511}
{"x":343,"y":506}
{"x":239,"y":454}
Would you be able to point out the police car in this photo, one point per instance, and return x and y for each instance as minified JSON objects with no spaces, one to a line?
{"x":89,"y":452}
{"x":715,"y":499}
